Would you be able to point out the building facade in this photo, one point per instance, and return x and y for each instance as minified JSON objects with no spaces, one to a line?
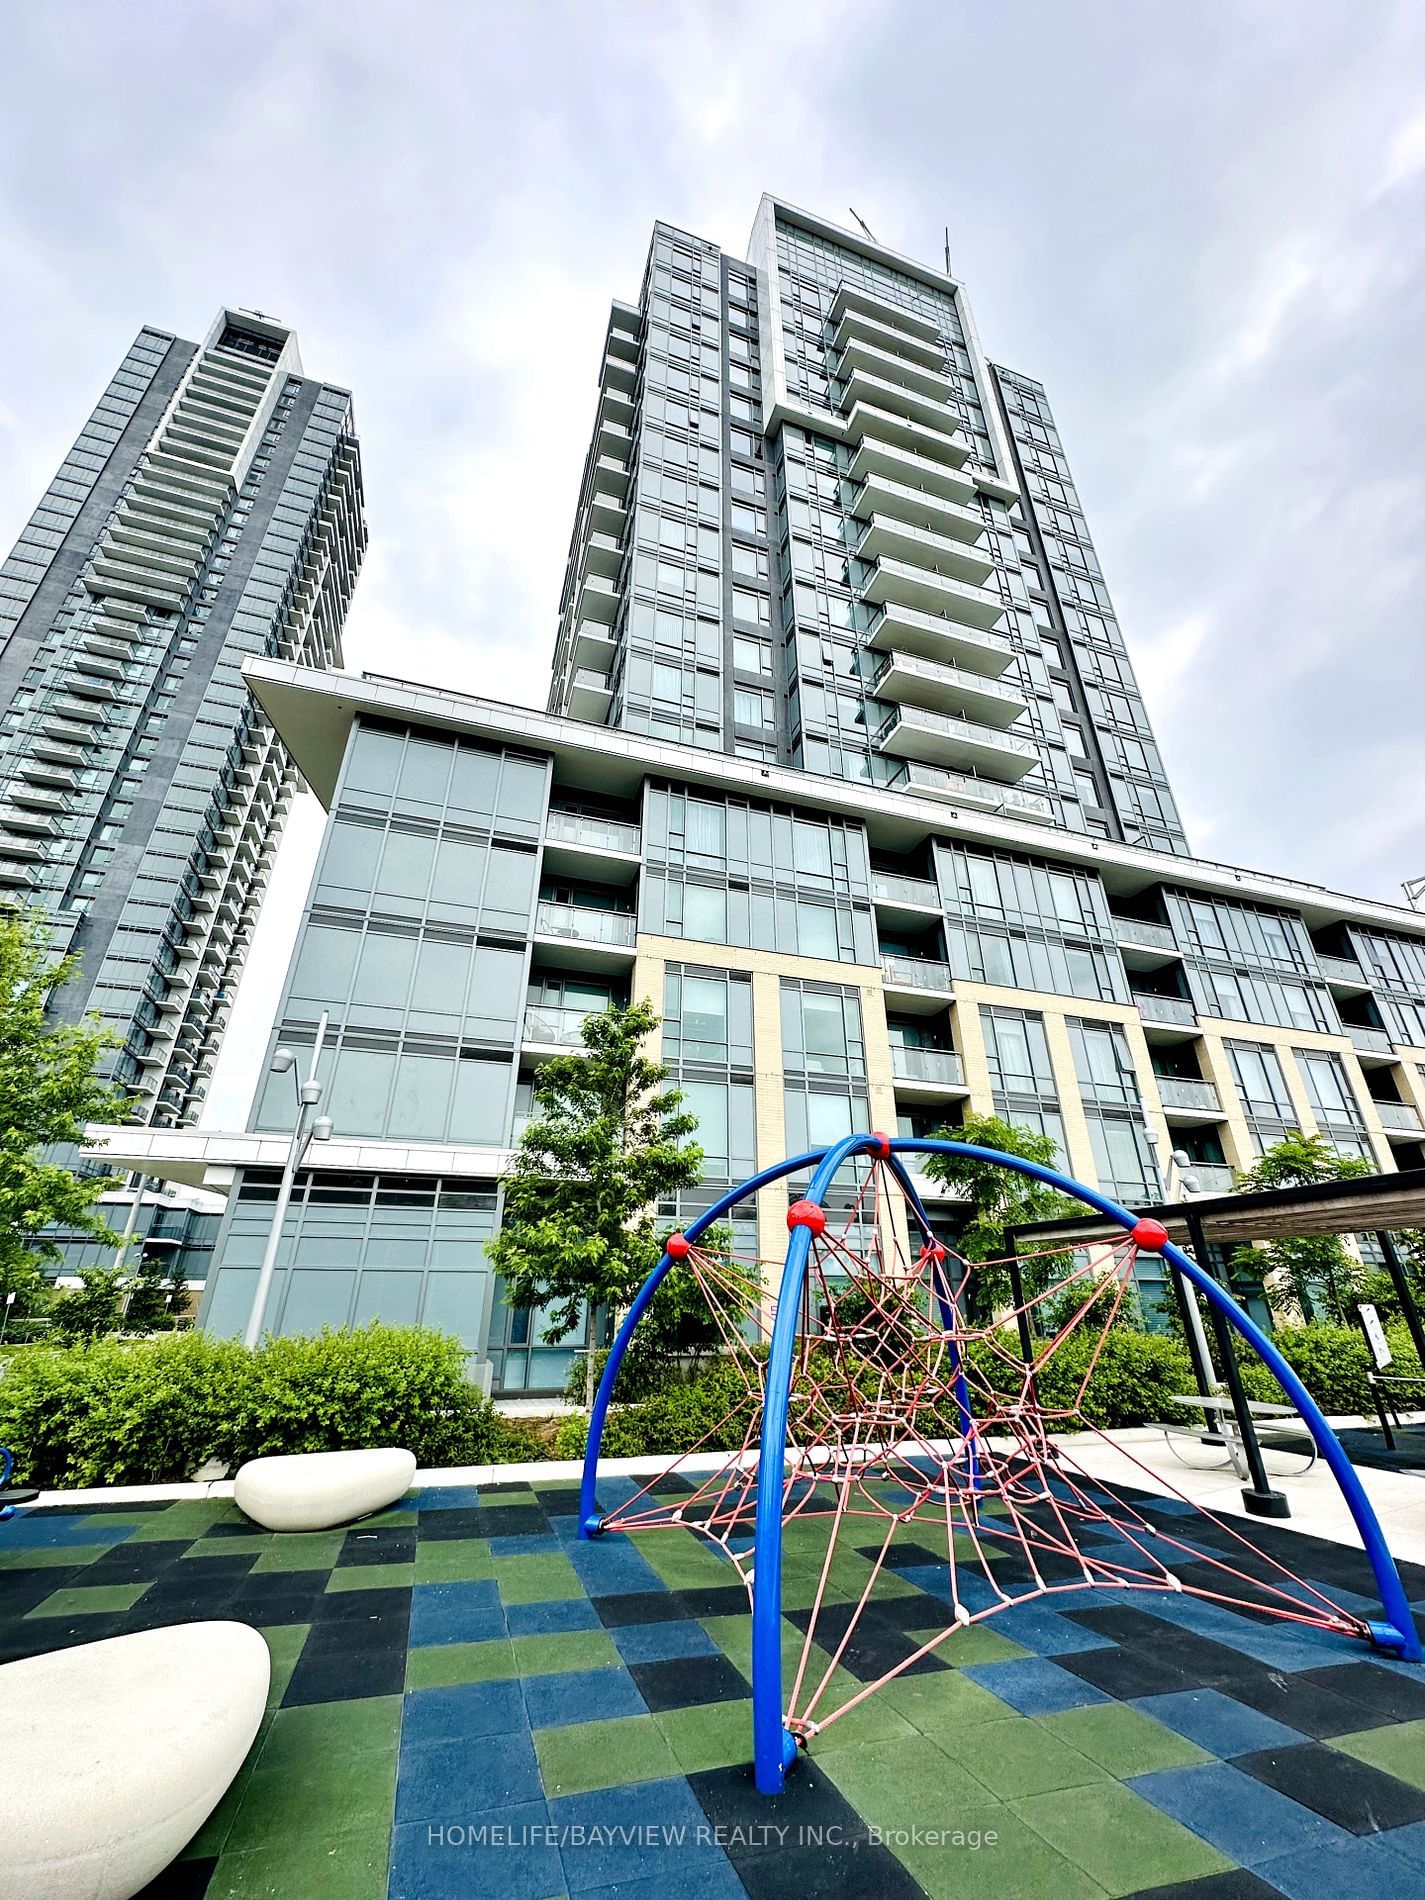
{"x":813,"y":522}
{"x":210,"y":512}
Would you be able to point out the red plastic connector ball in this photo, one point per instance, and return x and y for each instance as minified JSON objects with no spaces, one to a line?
{"x":882,"y":1147}
{"x":806,"y":1214}
{"x":1150,"y":1235}
{"x":677,"y":1246}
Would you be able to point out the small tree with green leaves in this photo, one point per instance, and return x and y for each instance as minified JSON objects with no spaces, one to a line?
{"x":1316,"y":1270}
{"x":1000,"y":1201}
{"x":148,"y":1295}
{"x":48,"y":1091}
{"x":93,"y":1309}
{"x":609,"y":1142}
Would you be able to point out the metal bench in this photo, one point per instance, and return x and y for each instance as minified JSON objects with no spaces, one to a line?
{"x":1279,"y":1428}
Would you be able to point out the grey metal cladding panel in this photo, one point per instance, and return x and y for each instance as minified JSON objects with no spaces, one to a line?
{"x":72,"y":553}
{"x":96,"y":933}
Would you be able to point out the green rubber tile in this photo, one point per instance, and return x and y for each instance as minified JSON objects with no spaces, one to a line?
{"x":252,"y":1545}
{"x":318,"y":1867}
{"x":442,"y":1665}
{"x":189,"y":1517}
{"x":713,"y":1735}
{"x":1119,"y":1839}
{"x":892,"y":1786}
{"x":457,"y":1560}
{"x":521,"y":1496}
{"x":944,"y":1700}
{"x":212,"y":1836}
{"x":335,"y":1794}
{"x":1398,"y":1751}
{"x":1019,"y":1757}
{"x":979,"y":1643}
{"x":399,"y":1517}
{"x":592,"y":1755}
{"x":1124,"y":1741}
{"x":874,"y":1720}
{"x":563,"y":1650}
{"x":90,"y":1599}
{"x":298,"y":1550}
{"x":369,"y":1725}
{"x":990,"y":1851}
{"x":372,"y":1577}
{"x":284,"y":1645}
{"x":541,"y":1579}
{"x":681,"y":1560}
{"x":52,"y":1557}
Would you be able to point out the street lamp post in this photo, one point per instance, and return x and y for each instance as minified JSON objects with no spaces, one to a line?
{"x":306,"y":1129}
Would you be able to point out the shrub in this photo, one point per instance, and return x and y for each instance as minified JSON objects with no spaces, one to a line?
{"x":148,"y":1411}
{"x":1332,"y":1363}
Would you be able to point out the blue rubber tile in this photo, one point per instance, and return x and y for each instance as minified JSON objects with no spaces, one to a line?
{"x":1240,"y":1817}
{"x":1046,"y":1633}
{"x":450,"y":1497}
{"x":461,"y":1712}
{"x":502,"y":1855}
{"x":1364,"y":1869}
{"x":1216,"y":1722}
{"x":610,"y":1567}
{"x":1276,"y":1646}
{"x":545,"y":1544}
{"x":44,"y":1533}
{"x":1034,"y":1685}
{"x":1408,"y":1841}
{"x":455,"y":1613}
{"x":705,"y":1879}
{"x":581,"y":1695}
{"x":545,"y":1619}
{"x":662,"y":1642}
{"x":655,"y":1831}
{"x":443,"y":1783}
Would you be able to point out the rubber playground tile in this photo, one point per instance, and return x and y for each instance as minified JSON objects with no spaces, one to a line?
{"x":354,"y":1727}
{"x":562,"y":1650}
{"x":584,"y":1695}
{"x":350,"y":1867}
{"x":1119,"y":1839}
{"x":453,"y":1560}
{"x":688,"y":1680}
{"x":540,"y":1579}
{"x":357,"y":1577}
{"x":1398,"y":1751}
{"x":891,"y":1786}
{"x":634,"y":1833}
{"x":300,"y":1550}
{"x":991,"y":1851}
{"x":284,"y":1646}
{"x":1351,"y":1869}
{"x":1034,"y":1685}
{"x":1123,"y":1740}
{"x":511,"y":1860}
{"x":462,"y":1711}
{"x":663,"y":1642}
{"x":548,"y":1619}
{"x":1239,"y":1816}
{"x":708,"y":1735}
{"x":933,"y":1704}
{"x":1356,"y":1796}
{"x":1395,"y":1695}
{"x":87,"y":1600}
{"x":1019,"y":1757}
{"x":1218,"y":1722}
{"x":1309,"y":1707}
{"x":466,"y":1612}
{"x":436,"y":1777}
{"x":334,"y":1795}
{"x":640,"y":1606}
{"x":599,"y":1755}
{"x":437,"y":1665}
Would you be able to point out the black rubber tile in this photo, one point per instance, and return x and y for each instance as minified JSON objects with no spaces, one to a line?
{"x":361,"y":1606}
{"x":807,"y":1843}
{"x":642,"y":1606}
{"x":21,"y":1590}
{"x":347,"y":1680}
{"x":719,"y":1599}
{"x":1345,"y":1791}
{"x":688,"y":1681}
{"x":371,"y":1636}
{"x":1311,"y":1708}
{"x":142,"y":1563}
{"x":243,"y":1527}
{"x":184,"y":1880}
{"x":505,"y":1520}
{"x":1125,"y":1673}
{"x":1385,"y":1692}
{"x":902,"y":1556}
{"x":383,"y":1544}
{"x":55,"y":1632}
{"x":1239,"y":1884}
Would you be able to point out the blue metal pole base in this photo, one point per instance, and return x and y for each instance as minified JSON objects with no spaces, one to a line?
{"x":1393,"y":1642}
{"x":590,"y":1527}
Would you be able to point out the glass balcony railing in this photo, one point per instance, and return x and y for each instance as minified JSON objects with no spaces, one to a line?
{"x":916,"y":973}
{"x":556,"y":1024}
{"x":1343,"y":970}
{"x":1400,"y":1117}
{"x":1369,"y":1042}
{"x":894,"y":889}
{"x":1185,"y":1092}
{"x":585,"y":924}
{"x":913,"y":1063}
{"x":1134,"y":930}
{"x":603,"y":834}
{"x":1211,"y":1177}
{"x":1169,"y":1010}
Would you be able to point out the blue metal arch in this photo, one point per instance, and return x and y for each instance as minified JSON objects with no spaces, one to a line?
{"x":774,"y":1748}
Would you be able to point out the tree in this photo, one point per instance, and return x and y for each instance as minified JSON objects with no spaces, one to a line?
{"x":48,"y":1091}
{"x":1000,"y":1200}
{"x":609,"y":1142}
{"x":93,"y":1309}
{"x":148,"y":1295}
{"x":1316,"y":1268}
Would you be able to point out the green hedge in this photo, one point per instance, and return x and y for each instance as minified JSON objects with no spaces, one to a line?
{"x":149,"y":1411}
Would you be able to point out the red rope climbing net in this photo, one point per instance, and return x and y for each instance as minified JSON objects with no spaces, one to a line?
{"x":933,"y":1478}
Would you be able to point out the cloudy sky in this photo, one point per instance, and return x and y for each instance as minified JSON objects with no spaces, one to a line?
{"x":1200,"y":224}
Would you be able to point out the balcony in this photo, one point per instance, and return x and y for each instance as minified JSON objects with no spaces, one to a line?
{"x":900,"y":540}
{"x":927,"y":1070}
{"x":594,"y":646}
{"x":582,"y":923}
{"x":607,"y":513}
{"x":1170,"y":1012}
{"x":1212,"y":1177}
{"x":880,"y":494}
{"x":918,"y":974}
{"x":603,"y":555}
{"x":939,"y":739}
{"x":930,"y":683}
{"x":860,"y":326}
{"x":894,"y":369}
{"x":983,"y":794}
{"x":1185,"y":1094}
{"x":620,"y":373}
{"x":589,"y":695}
{"x":930,"y":636}
{"x":589,"y":830}
{"x":1369,"y":1042}
{"x":866,"y":417}
{"x":1343,"y":973}
{"x":1145,"y":936}
{"x":903,"y":584}
{"x":552,"y":1026}
{"x":893,"y":892}
{"x":597,"y":599}
{"x":867,"y":304}
{"x":1399,"y":1118}
{"x":913,"y":474}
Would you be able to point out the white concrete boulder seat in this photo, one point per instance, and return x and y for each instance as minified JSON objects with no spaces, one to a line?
{"x":113,"y":1754}
{"x":313,"y":1490}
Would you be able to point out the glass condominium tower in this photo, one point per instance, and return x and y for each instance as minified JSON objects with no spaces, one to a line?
{"x":209,"y":512}
{"x":817,"y":527}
